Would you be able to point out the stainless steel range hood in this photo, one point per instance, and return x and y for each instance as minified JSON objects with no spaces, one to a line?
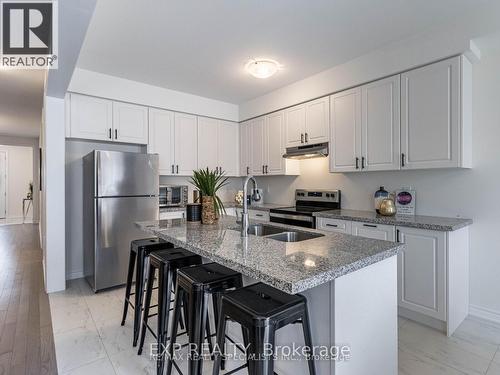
{"x":318,"y":150}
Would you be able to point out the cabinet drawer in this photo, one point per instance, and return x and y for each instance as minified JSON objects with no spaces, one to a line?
{"x":334,"y":225}
{"x":258,"y":215}
{"x":375,"y":231}
{"x":172,"y":215}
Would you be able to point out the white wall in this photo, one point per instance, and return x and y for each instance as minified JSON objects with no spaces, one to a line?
{"x":75,"y":150}
{"x":106,"y":86}
{"x":19,"y":175}
{"x":467,"y":193}
{"x":52,"y":202}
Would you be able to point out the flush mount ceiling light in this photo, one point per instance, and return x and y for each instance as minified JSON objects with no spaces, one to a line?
{"x":262,"y":68}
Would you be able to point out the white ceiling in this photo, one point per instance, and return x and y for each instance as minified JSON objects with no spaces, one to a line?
{"x":21,"y":101}
{"x":200,"y":47}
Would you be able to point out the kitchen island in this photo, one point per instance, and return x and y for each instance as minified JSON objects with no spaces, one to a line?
{"x":350,"y":283}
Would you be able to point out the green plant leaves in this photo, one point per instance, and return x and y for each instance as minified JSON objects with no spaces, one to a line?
{"x":209,"y":182}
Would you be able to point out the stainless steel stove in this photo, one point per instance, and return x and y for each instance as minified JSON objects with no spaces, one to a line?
{"x":306,"y":203}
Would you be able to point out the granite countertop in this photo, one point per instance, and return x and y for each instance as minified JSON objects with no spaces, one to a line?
{"x":291,"y":267}
{"x":263,"y":207}
{"x":445,"y":224}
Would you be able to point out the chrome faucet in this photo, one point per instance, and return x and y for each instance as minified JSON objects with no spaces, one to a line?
{"x":244,"y":214}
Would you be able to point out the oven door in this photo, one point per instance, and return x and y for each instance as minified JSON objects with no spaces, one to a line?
{"x":304,"y":221}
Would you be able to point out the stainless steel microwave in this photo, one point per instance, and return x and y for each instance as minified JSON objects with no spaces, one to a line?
{"x":173,"y":195}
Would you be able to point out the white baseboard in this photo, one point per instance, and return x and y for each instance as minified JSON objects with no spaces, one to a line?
{"x":484,"y":313}
{"x":74,"y":275}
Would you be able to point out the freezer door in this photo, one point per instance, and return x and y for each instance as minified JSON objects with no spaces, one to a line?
{"x":115,"y":229}
{"x":126,"y":174}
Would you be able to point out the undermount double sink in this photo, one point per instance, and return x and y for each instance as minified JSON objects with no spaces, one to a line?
{"x":281,"y":234}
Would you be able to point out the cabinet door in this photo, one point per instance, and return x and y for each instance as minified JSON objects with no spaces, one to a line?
{"x":295,"y":125}
{"x":130,"y":123}
{"x":380,"y":125}
{"x":208,"y":142}
{"x":257,"y":128}
{"x":186,"y":144}
{"x":317,"y":121}
{"x":430,"y":115}
{"x":274,"y":139}
{"x":229,"y":147}
{"x":375,"y":231}
{"x":345,"y":131}
{"x":422,"y":272}
{"x":245,"y":146}
{"x":161,"y":139}
{"x":91,"y":118}
{"x":334,"y":225}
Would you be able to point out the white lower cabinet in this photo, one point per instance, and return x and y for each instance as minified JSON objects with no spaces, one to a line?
{"x":172,"y":215}
{"x":375,"y":231}
{"x":258,"y":215}
{"x":334,"y":225}
{"x":422,"y":272}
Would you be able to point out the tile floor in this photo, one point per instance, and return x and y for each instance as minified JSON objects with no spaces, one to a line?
{"x":89,"y":340}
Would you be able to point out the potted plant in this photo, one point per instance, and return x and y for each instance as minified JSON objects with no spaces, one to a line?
{"x":209,"y":182}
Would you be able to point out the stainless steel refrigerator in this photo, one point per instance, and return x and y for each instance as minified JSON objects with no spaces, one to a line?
{"x":119,"y":189}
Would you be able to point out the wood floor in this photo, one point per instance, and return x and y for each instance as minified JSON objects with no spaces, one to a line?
{"x":26,"y":338}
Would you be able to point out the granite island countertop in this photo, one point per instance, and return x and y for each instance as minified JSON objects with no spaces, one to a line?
{"x":291,"y":267}
{"x":445,"y":224}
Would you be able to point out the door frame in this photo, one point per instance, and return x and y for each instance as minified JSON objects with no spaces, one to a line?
{"x":5,"y":152}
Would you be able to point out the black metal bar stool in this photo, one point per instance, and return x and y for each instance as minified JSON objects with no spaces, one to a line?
{"x":139,"y":251}
{"x":262,"y":310}
{"x":167,"y":262}
{"x":198,"y":283}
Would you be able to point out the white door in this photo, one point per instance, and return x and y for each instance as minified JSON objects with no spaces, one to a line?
{"x":345,"y":131}
{"x":317,"y":121}
{"x":422,"y":272}
{"x":295,"y":125}
{"x":245,"y":146}
{"x":380,"y":125}
{"x":274,"y":150}
{"x":186,"y":144}
{"x":91,"y":118}
{"x":375,"y":231}
{"x":229,"y":147}
{"x":130,"y":123}
{"x":161,"y":139}
{"x":430,"y":115}
{"x":257,"y":128}
{"x":208,"y":142}
{"x":3,"y":184}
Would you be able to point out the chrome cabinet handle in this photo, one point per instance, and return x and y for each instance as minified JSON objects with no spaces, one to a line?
{"x":357,"y":163}
{"x":110,"y":137}
{"x":403,"y":161}
{"x":267,"y":171}
{"x":370,"y":225}
{"x":332,"y":225}
{"x":177,"y":169}
{"x":116,"y":133}
{"x":307,"y":138}
{"x":259,"y":215}
{"x":172,"y":169}
{"x":301,"y":138}
{"x":397,"y":235}
{"x":263,"y":170}
{"x":363,"y":162}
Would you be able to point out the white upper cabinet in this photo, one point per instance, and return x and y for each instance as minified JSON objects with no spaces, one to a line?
{"x":435,"y":115}
{"x":130,"y":123}
{"x":228,"y":150}
{"x":422,"y":272}
{"x":208,"y":142}
{"x":90,"y":118}
{"x":186,"y":143}
{"x":256,"y":132}
{"x":307,"y":123}
{"x":274,"y":145}
{"x":245,"y":146}
{"x":345,"y":122}
{"x":380,"y":126}
{"x":295,"y":123}
{"x":317,"y":121}
{"x":161,"y":139}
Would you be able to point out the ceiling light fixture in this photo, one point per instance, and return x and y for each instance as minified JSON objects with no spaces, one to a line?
{"x":262,"y":68}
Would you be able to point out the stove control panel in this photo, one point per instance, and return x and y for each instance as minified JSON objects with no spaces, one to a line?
{"x":317,"y":195}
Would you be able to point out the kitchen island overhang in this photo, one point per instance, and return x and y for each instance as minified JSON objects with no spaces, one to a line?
{"x":350,"y":283}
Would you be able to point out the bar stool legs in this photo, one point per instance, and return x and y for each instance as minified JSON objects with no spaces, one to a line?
{"x":130,"y":274}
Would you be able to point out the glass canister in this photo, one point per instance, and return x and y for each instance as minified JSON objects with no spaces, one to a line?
{"x":378,"y":197}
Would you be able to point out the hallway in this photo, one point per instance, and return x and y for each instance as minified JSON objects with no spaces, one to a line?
{"x":26,"y":339}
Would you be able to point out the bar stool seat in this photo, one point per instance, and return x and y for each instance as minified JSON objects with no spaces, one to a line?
{"x":167,"y":262}
{"x":198,"y":283}
{"x":139,"y":252}
{"x":261,"y":310}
